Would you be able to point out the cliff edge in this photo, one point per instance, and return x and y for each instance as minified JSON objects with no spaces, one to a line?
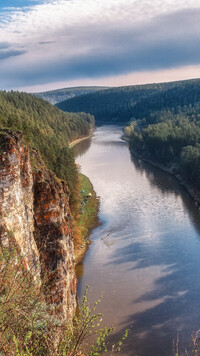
{"x":35,"y":213}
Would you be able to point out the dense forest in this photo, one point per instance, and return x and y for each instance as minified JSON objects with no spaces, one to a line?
{"x":166,"y":130}
{"x":123,"y":103}
{"x":55,"y":96}
{"x":47,"y":129}
{"x":165,"y":121}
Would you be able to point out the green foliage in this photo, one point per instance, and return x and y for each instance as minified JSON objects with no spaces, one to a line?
{"x":47,"y":129}
{"x":190,"y":164}
{"x":173,"y":142}
{"x":28,"y":326}
{"x":88,"y":217}
{"x":23,"y":312}
{"x":123,"y":103}
{"x":85,"y":325}
{"x":166,"y":130}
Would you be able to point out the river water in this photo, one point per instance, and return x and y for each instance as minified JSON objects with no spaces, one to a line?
{"x":145,"y":258}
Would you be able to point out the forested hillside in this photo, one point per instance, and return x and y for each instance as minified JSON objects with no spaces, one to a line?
{"x":165,"y":120}
{"x":55,"y":96}
{"x":123,"y":103}
{"x":47,"y":129}
{"x":166,"y":130}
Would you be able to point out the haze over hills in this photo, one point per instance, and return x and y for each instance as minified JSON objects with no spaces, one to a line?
{"x":55,"y":96}
{"x":121,"y":104}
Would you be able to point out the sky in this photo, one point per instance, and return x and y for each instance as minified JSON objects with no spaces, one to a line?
{"x":49,"y":44}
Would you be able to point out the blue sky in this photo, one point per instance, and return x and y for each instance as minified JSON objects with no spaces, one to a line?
{"x":17,"y":3}
{"x":58,"y":43}
{"x":7,"y":6}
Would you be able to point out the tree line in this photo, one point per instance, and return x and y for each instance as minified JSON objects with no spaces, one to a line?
{"x":121,"y":104}
{"x":164,"y":121}
{"x":166,"y":129}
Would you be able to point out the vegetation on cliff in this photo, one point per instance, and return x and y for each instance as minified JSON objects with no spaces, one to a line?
{"x":124,"y":103}
{"x":29,"y":326}
{"x":49,"y":130}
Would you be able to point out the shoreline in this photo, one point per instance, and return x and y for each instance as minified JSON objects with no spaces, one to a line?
{"x":91,"y":220}
{"x":88,"y":219}
{"x":193,"y":192}
{"x":73,"y":143}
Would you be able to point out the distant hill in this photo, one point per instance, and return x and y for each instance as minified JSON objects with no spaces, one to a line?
{"x":55,"y":96}
{"x":122,"y":104}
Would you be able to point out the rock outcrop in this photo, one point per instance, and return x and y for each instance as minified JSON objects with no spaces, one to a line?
{"x":34,"y":211}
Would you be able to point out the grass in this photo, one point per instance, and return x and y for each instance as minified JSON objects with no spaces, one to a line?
{"x":88,"y":218}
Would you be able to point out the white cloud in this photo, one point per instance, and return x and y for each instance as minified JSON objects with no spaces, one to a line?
{"x":73,"y":28}
{"x":143,"y":77}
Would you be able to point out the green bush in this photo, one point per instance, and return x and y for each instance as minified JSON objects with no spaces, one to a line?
{"x":31,"y":327}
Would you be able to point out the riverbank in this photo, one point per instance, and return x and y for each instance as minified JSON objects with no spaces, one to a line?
{"x":73,"y":143}
{"x":88,"y":218}
{"x":194,"y":192}
{"x":146,"y":253}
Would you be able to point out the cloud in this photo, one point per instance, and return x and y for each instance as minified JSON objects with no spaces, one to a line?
{"x":4,"y":45}
{"x":7,"y":54}
{"x":141,"y":77}
{"x":45,"y":42}
{"x":67,"y":40}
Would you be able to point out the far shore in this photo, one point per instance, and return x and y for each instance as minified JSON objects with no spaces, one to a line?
{"x":193,"y":192}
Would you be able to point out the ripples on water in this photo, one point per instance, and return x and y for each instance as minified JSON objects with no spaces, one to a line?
{"x":146,"y":254}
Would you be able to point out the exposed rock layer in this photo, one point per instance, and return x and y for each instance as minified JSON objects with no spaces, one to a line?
{"x":34,"y":210}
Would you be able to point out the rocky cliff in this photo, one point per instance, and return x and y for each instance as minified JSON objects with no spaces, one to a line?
{"x":34,"y":211}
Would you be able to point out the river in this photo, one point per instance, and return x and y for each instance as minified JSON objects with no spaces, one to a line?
{"x":145,"y":258}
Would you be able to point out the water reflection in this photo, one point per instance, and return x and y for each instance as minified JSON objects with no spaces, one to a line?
{"x":169,"y":185}
{"x":82,"y":147}
{"x":146,"y":255}
{"x":79,"y":270}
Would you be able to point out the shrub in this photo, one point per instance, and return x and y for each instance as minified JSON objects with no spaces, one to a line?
{"x":29,"y":326}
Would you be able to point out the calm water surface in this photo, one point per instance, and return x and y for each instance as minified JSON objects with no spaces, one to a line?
{"x":146,"y":254}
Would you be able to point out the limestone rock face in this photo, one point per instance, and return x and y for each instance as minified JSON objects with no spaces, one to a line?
{"x":53,"y":234}
{"x":16,"y":199}
{"x":34,"y":211}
